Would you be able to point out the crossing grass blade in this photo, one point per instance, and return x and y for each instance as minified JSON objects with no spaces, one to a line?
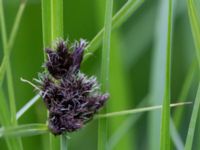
{"x":178,"y":114}
{"x":139,"y":110}
{"x":24,"y":130}
{"x":191,"y":131}
{"x":27,"y":106}
{"x":12,"y":39}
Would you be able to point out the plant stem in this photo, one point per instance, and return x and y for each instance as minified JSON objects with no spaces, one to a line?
{"x":165,"y":127}
{"x":63,"y":142}
{"x":57,"y":32}
{"x":56,"y":19}
{"x":102,"y":129}
{"x":46,"y":24}
{"x":192,"y":125}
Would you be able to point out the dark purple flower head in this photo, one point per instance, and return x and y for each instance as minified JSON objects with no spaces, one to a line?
{"x":71,"y":102}
{"x":71,"y":97}
{"x":64,"y":57}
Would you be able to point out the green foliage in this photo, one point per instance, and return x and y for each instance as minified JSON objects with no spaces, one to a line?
{"x":126,"y":72}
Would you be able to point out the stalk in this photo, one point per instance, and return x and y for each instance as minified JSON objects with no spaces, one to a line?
{"x":102,"y":128}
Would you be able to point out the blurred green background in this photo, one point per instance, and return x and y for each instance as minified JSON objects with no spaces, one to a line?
{"x":136,"y":69}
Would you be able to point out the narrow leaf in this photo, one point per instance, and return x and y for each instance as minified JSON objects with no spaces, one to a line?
{"x":105,"y":67}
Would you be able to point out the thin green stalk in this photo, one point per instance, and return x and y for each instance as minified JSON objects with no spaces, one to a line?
{"x":27,"y":106}
{"x":46,"y":23}
{"x":63,"y":142}
{"x":11,"y":40}
{"x":192,"y":125}
{"x":24,"y":130}
{"x":16,"y":143}
{"x":178,"y":114}
{"x":139,"y":110}
{"x":102,"y":125}
{"x":16,"y":24}
{"x":165,"y":127}
{"x":193,"y":11}
{"x":9,"y":75}
{"x":56,"y":19}
{"x":57,"y":32}
{"x":50,"y":12}
{"x":11,"y":94}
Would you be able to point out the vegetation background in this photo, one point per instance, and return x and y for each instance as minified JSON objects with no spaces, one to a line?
{"x":137,"y":69}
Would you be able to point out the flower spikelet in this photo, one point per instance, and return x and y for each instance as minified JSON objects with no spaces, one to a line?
{"x":71,"y":97}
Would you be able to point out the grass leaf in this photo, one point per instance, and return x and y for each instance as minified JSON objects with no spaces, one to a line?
{"x":27,"y":106}
{"x":138,"y":110}
{"x":190,"y":135}
{"x":194,"y":15}
{"x":24,"y":130}
{"x":105,"y":67}
{"x":165,"y":127}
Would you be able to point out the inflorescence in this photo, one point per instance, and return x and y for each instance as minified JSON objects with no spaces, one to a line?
{"x":71,"y":97}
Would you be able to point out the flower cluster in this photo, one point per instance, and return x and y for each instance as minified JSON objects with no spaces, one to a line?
{"x":71,"y":97}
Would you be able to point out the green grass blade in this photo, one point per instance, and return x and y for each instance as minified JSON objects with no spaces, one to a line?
{"x":13,"y":144}
{"x":16,"y":143}
{"x":120,"y":17}
{"x":16,"y":24}
{"x":194,"y":15}
{"x":57,"y":32}
{"x":105,"y":67}
{"x":178,"y":114}
{"x":24,"y":130}
{"x":190,"y":135}
{"x":11,"y":39}
{"x":165,"y":127}
{"x":11,"y":95}
{"x":139,"y":110}
{"x":27,"y":106}
{"x":46,"y":22}
{"x":56,"y":19}
{"x":63,"y":142}
{"x":4,"y":113}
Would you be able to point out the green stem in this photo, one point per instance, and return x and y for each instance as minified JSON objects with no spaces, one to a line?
{"x":46,"y":24}
{"x":63,"y":142}
{"x":165,"y":127}
{"x":56,"y":19}
{"x":11,"y":39}
{"x":192,"y":125}
{"x":57,"y":32}
{"x":102,"y":129}
{"x":184,"y":92}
